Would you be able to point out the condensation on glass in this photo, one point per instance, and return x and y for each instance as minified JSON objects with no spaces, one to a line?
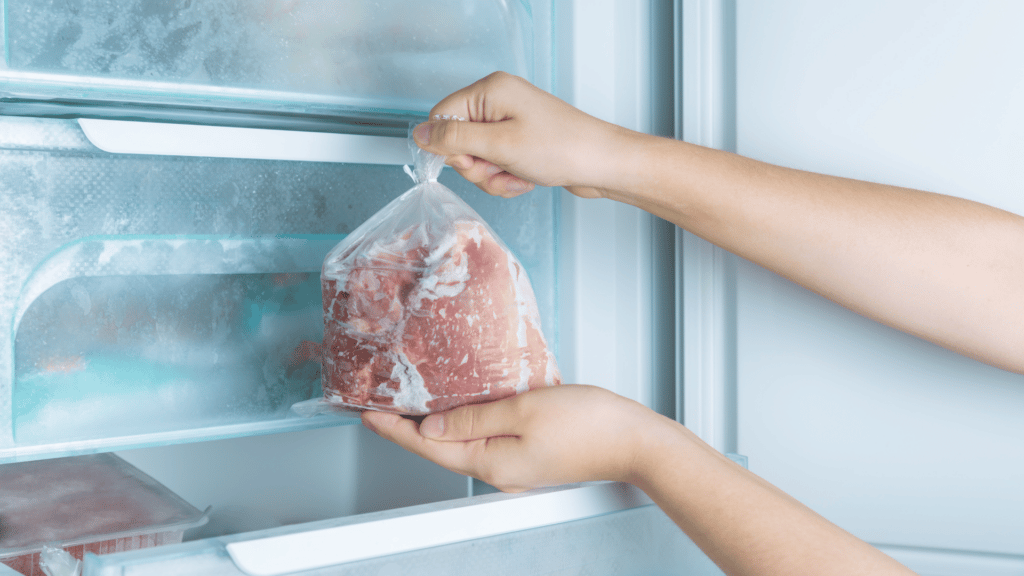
{"x":296,"y":56}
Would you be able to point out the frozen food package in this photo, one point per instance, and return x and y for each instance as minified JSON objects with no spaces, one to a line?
{"x":426,"y":309}
{"x":95,"y":503}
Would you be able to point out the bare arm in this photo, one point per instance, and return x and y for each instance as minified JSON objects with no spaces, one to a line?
{"x":575,"y":433}
{"x":942,"y":268}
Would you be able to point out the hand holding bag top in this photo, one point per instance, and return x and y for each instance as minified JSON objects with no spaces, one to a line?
{"x":425,"y":309}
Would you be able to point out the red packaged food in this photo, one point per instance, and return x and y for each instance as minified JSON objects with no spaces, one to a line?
{"x":96,"y":503}
{"x":425,"y":309}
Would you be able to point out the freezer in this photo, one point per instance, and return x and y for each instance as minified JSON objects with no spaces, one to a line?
{"x":174,"y":173}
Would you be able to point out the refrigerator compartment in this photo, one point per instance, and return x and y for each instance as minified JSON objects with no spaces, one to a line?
{"x":96,"y":503}
{"x":105,"y":357}
{"x":364,"y":61}
{"x":602,"y":528}
{"x":94,"y":232}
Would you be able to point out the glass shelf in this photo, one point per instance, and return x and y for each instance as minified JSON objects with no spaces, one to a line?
{"x":355,"y":66}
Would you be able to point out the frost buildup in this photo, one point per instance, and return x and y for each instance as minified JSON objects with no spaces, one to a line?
{"x":425,"y":309}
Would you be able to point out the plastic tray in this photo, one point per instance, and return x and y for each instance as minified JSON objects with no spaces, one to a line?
{"x":96,"y":503}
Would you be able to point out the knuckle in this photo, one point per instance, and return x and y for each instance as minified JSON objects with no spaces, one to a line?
{"x":501,"y":77}
{"x":496,"y":77}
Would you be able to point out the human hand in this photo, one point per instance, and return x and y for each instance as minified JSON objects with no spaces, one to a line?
{"x":516,"y":135}
{"x":545,"y":437}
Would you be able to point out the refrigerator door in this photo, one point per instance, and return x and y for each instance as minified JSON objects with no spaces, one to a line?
{"x":896,"y":439}
{"x":906,"y":445}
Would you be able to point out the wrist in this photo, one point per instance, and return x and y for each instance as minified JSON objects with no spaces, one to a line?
{"x":658,"y":441}
{"x":669,"y":455}
{"x":632,"y":167}
{"x":602,"y":161}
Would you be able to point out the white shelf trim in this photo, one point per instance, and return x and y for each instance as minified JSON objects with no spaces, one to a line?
{"x":453,"y":522}
{"x":167,"y":139}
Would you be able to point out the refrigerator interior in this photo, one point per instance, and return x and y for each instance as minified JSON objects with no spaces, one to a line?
{"x":175,"y":185}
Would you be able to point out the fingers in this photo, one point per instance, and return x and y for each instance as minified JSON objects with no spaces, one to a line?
{"x":455,"y":137}
{"x":459,"y":457}
{"x":489,"y":177}
{"x":491,"y":99}
{"x":465,"y":145}
{"x":479,"y":140}
{"x":547,"y":436}
{"x":473,"y":422}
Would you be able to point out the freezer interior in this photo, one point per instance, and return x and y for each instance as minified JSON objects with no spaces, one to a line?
{"x":157,"y":299}
{"x":173,"y":177}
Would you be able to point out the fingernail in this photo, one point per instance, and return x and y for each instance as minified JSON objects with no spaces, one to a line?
{"x":491,"y":170}
{"x":422,"y":133}
{"x":432,"y":426}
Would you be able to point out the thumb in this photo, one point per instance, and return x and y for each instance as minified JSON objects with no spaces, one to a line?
{"x":454,"y":137}
{"x":473,"y":422}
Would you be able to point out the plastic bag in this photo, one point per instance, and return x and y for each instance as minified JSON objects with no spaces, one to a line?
{"x":425,"y":309}
{"x":58,"y":562}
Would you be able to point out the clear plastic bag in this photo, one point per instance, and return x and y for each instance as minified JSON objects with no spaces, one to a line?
{"x":56,"y":561}
{"x":426,"y":309}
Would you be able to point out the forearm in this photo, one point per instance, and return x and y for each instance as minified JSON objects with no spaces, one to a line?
{"x":746,"y":525}
{"x":945,"y":269}
{"x":942,"y":268}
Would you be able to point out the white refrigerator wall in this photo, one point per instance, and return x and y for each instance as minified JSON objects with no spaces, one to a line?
{"x":901,"y":442}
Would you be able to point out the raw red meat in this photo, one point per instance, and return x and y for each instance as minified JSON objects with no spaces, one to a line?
{"x":417,"y":325}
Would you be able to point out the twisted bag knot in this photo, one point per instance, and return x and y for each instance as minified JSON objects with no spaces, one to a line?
{"x":417,"y":176}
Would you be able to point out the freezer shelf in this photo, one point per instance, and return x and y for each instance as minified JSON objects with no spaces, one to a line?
{"x":367,"y":62}
{"x":596,"y":529}
{"x":158,"y":299}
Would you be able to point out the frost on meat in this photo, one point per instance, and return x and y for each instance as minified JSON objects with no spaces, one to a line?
{"x":417,"y":326}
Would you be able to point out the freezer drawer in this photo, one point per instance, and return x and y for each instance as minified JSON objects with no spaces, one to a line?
{"x":595,"y":529}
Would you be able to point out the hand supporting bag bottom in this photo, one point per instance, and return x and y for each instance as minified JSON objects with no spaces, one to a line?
{"x":425,"y":309}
